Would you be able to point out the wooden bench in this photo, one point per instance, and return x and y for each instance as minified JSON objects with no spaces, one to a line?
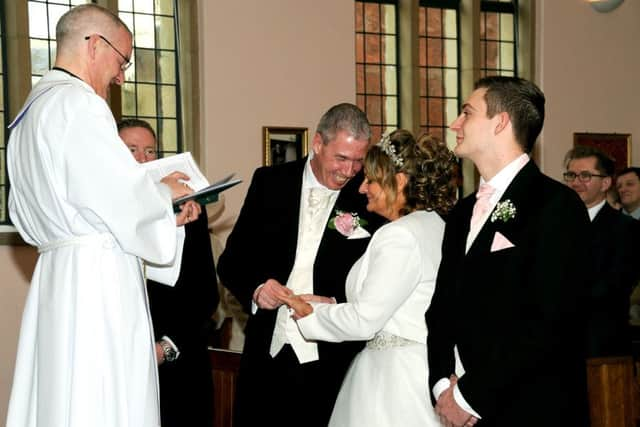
{"x":614,"y":396}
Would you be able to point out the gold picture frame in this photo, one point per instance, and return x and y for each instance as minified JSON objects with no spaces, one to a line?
{"x":284,"y":144}
{"x":616,"y":145}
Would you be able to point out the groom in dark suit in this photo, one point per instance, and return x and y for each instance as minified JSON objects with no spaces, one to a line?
{"x":282,"y":244}
{"x":510,"y":284}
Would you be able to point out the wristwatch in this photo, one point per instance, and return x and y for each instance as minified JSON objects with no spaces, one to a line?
{"x":168,"y":352}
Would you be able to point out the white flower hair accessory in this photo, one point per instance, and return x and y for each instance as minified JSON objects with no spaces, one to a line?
{"x":390,"y":150}
{"x":504,"y":211}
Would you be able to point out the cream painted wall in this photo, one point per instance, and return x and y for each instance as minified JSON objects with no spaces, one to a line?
{"x":588,"y":68}
{"x":262,"y":66}
{"x":16,"y":266}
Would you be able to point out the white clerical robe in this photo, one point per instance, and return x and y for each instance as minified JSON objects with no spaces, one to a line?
{"x":86,"y":354}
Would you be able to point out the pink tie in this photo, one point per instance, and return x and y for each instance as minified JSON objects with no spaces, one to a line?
{"x":482,"y":203}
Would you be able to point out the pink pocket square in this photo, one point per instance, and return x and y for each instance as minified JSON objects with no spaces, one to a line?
{"x":500,"y":242}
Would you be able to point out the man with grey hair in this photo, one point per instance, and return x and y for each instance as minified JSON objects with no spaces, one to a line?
{"x":283,"y":243}
{"x":86,"y":353}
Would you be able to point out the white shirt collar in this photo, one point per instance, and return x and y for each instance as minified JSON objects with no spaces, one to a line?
{"x":593,"y":210}
{"x":503,"y":178}
{"x":635,"y":213}
{"x":309,"y":179}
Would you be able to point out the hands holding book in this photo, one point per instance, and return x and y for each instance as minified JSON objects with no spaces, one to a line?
{"x":189,"y":210}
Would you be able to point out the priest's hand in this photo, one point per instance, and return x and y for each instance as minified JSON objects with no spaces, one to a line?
{"x":189,"y":212}
{"x":175,"y":182}
{"x":270,"y":294}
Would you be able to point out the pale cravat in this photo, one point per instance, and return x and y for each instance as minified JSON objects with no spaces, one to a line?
{"x":316,"y":201}
{"x":482,"y":204}
{"x":313,"y":220}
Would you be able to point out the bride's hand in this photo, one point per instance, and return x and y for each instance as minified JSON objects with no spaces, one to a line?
{"x":317,"y":298}
{"x":301,"y":308}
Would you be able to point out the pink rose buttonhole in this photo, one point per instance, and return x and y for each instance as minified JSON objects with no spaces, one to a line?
{"x":346,"y":222}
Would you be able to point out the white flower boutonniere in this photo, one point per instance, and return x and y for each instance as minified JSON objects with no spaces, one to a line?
{"x":346,"y":222}
{"x":504,"y":211}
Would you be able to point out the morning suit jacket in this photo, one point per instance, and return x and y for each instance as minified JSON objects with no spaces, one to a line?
{"x":615,"y":273}
{"x":263,"y":245}
{"x":514,"y":314}
{"x":183,"y":313}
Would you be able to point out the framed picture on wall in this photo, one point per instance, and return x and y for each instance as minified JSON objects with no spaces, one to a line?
{"x":616,"y":145}
{"x":284,"y":144}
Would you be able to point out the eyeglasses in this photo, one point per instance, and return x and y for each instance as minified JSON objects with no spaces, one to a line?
{"x":127,"y":62}
{"x":148,"y":152}
{"x":584,"y":176}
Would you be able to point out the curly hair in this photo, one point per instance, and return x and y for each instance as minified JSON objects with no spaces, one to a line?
{"x":428,"y":164}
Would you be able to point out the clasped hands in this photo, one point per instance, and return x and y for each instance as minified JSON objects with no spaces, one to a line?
{"x":189,"y":211}
{"x":272,"y":294}
{"x":450,"y":413}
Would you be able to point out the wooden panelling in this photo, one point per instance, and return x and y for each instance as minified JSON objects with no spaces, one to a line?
{"x":225,"y":365}
{"x":614,"y":398}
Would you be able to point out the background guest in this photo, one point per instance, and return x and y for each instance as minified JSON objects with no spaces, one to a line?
{"x":281,"y":244}
{"x":181,"y":313}
{"x":389,"y":288}
{"x":628,"y":184}
{"x":613,"y":268}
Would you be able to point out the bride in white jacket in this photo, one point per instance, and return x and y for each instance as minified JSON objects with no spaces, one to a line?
{"x":390,"y":287}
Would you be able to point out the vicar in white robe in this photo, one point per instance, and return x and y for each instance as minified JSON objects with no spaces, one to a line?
{"x":86,"y":351}
{"x":390,"y":287}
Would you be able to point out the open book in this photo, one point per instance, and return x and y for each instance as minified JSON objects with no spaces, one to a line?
{"x":208,"y":194}
{"x":204,"y":193}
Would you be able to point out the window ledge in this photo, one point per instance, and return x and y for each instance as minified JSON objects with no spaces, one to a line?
{"x":9,"y":236}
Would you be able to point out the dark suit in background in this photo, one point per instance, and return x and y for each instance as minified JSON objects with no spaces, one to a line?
{"x":515,"y":314}
{"x":262,"y":246}
{"x":615,"y":273}
{"x":183,"y":313}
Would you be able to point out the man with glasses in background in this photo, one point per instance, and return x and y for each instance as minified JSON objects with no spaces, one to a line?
{"x":181,"y":313}
{"x":86,"y":352}
{"x":614,"y":272}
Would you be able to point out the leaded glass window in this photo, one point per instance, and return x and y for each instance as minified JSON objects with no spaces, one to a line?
{"x":377,"y":64}
{"x":4,"y":188}
{"x":498,"y":37}
{"x":151,"y":90}
{"x":43,"y":17}
{"x":439,"y":68}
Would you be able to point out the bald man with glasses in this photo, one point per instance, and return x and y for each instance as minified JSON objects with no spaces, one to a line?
{"x":614,"y":271}
{"x":86,"y":355}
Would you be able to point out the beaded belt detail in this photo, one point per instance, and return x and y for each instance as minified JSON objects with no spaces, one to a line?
{"x":383,"y":340}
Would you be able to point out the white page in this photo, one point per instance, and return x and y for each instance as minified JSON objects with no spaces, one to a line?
{"x":182,"y":162}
